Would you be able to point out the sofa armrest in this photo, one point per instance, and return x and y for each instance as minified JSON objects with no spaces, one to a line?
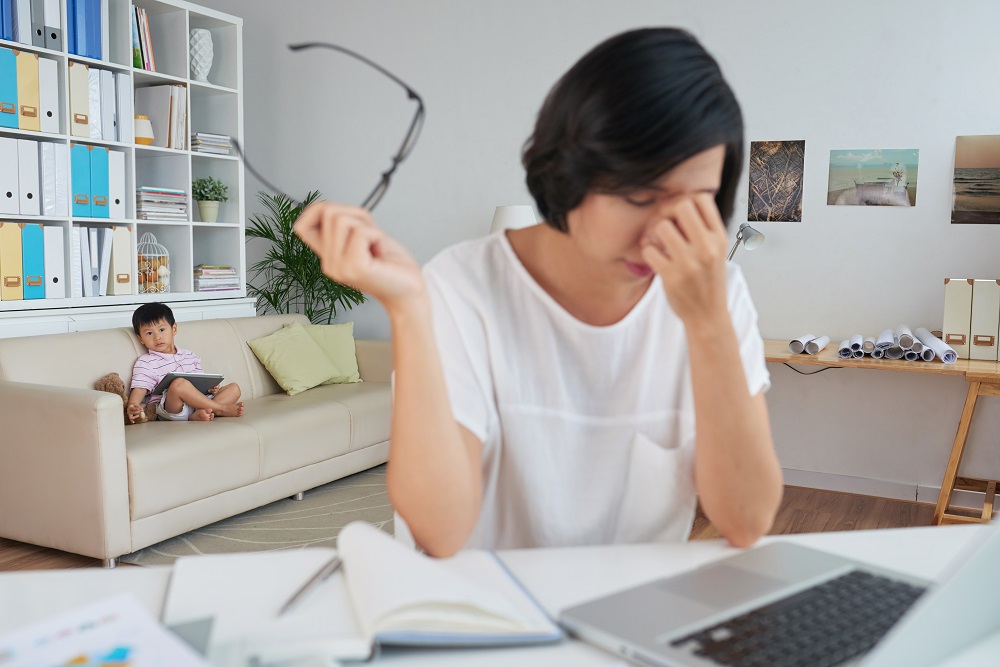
{"x":374,"y":359}
{"x":63,"y":471}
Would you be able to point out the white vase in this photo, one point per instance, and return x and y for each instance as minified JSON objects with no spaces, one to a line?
{"x":208,"y":210}
{"x":202,"y":53}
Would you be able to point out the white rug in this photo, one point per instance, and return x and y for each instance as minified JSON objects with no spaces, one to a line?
{"x":285,"y":524}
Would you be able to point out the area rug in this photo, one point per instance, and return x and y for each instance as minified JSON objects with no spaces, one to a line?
{"x":285,"y":524}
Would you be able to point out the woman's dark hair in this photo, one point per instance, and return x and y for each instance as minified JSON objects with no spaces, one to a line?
{"x":151,"y":313}
{"x":631,"y":109}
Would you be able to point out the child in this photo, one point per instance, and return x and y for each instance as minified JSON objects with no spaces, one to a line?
{"x":154,"y":324}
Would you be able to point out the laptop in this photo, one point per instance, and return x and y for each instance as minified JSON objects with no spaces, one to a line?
{"x":785,"y":604}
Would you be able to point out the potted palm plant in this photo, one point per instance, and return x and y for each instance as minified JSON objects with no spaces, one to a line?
{"x":289,"y":278}
{"x":209,"y":192}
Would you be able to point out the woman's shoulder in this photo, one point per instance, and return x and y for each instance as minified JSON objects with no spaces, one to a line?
{"x":479,"y":256}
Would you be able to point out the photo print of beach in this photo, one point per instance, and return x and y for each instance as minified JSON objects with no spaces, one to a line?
{"x":977,"y":180}
{"x":877,"y":177}
{"x":776,"y":181}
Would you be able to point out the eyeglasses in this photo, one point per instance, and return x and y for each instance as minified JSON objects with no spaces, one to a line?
{"x":409,"y":141}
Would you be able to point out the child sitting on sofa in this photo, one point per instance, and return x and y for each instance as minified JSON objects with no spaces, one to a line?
{"x":154,"y":324}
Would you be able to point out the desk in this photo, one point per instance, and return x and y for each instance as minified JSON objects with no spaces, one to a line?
{"x":558,"y":578}
{"x":984,"y":380}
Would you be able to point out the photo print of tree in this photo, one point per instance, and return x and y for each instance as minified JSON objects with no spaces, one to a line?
{"x":776,"y":181}
{"x":977,"y":180}
{"x":873,"y":177}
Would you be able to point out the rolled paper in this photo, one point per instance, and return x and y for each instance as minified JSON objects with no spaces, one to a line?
{"x":857,"y":354}
{"x":798,"y":345}
{"x":905,"y":336}
{"x":886,"y":339}
{"x":894,"y":352}
{"x":868,"y":345}
{"x":910,"y":355}
{"x":917,"y":346}
{"x":816,"y":345}
{"x":844,"y":351}
{"x":942,"y":350}
{"x":927,"y":354}
{"x":857,"y":340}
{"x":877,"y":353}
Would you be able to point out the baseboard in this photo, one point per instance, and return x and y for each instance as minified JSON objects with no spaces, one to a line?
{"x":880,"y":488}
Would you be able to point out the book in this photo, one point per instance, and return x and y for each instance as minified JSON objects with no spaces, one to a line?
{"x":386,"y":594}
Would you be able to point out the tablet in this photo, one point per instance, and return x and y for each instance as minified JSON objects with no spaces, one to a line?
{"x":202,"y":381}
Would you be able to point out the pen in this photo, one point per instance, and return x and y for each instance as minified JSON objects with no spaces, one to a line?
{"x":313,"y":582}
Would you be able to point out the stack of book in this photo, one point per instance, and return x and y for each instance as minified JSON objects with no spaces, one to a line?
{"x":153,"y":203}
{"x":217,"y":144}
{"x":215,"y":278}
{"x":142,"y":43}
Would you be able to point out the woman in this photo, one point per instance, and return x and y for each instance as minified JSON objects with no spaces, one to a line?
{"x":577,"y":382}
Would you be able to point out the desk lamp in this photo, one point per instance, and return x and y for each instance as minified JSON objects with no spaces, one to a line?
{"x":512,"y":217}
{"x":752,"y":239}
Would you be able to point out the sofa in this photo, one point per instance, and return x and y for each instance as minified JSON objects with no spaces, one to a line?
{"x":74,"y":477}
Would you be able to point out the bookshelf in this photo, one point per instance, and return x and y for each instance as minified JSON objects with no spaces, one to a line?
{"x":215,"y":107}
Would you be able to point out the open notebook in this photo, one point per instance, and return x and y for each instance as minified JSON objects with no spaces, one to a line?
{"x":385,"y":594}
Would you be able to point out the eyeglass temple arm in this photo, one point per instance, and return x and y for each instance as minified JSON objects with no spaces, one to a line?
{"x":412,"y":94}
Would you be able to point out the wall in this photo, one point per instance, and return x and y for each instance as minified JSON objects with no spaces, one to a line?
{"x":850,"y":74}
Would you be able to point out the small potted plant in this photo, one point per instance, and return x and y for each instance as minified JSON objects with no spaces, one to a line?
{"x":209,"y":192}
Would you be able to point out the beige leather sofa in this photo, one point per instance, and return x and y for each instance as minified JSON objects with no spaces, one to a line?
{"x":74,"y":477}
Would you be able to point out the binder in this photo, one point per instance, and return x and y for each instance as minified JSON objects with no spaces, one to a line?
{"x":52,"y":18}
{"x":6,"y":24}
{"x":48,"y":96}
{"x":38,"y":23}
{"x":985,"y":320}
{"x":957,"y":315}
{"x":33,"y":261}
{"x":10,"y":202}
{"x":79,"y":157}
{"x":21,"y":19}
{"x":79,"y":99}
{"x":76,"y":14}
{"x":47,"y":163}
{"x":120,"y":267}
{"x":8,"y":88}
{"x":62,"y":179}
{"x":105,"y":40}
{"x":76,"y":263}
{"x":94,"y":103}
{"x":124,"y":107}
{"x":109,"y":110}
{"x":95,"y":261}
{"x":27,"y":177}
{"x":55,"y":267}
{"x":27,"y":90}
{"x":105,"y":236}
{"x":85,"y":268}
{"x":92,"y":20}
{"x":11,"y":288}
{"x":98,"y":182}
{"x":116,"y":185}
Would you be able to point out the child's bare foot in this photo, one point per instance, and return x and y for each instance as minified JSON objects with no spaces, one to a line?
{"x":202,"y":416}
{"x":229,"y":409}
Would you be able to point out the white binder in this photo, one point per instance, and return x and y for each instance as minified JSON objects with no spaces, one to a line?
{"x":76,"y":262}
{"x":55,"y":258}
{"x":53,"y":25}
{"x":124,"y":110}
{"x":985,"y":320}
{"x":10,"y":202}
{"x":85,"y":268}
{"x":105,"y":32}
{"x":79,"y":99}
{"x":21,"y":17}
{"x":47,"y":162}
{"x":95,"y":261}
{"x":94,"y":103}
{"x":957,"y":315}
{"x":120,"y":271}
{"x":27,"y":177}
{"x":104,"y":237}
{"x":62,"y":179}
{"x":48,"y":95}
{"x":116,"y":185}
{"x":109,"y":109}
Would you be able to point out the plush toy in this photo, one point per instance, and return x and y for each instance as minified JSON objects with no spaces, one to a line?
{"x":113,"y":383}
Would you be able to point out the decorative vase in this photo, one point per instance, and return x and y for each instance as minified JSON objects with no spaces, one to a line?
{"x":143,"y":131}
{"x":208,"y":210}
{"x":202,"y":54}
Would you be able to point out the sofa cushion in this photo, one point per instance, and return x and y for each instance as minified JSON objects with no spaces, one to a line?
{"x":249,"y":328}
{"x":337,"y":343}
{"x":370,"y":405}
{"x":294,"y":359}
{"x":174,"y":463}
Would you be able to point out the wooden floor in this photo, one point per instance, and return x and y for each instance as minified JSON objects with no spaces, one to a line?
{"x":802,"y":511}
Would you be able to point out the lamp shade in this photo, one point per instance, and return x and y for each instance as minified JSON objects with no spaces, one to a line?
{"x":749,"y":237}
{"x":513,"y":217}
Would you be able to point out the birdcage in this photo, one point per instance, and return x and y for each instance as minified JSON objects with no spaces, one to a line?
{"x":154,"y":266}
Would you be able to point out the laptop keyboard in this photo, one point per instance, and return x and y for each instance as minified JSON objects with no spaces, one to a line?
{"x":822,"y":626}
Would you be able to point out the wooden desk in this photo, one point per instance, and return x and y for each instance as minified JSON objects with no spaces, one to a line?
{"x":984,"y":380}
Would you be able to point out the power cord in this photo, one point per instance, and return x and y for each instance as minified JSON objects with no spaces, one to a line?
{"x":813,"y":373}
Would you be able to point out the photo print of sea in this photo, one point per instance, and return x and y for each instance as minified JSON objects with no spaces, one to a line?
{"x":977,"y":180}
{"x":776,"y":181}
{"x":875,"y":177}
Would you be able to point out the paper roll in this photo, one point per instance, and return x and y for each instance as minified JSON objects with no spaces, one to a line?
{"x":816,"y":345}
{"x":857,"y":340}
{"x":877,"y":353}
{"x":942,"y":351}
{"x":894,"y":352}
{"x":857,"y":354}
{"x":798,"y":345}
{"x":844,"y":351}
{"x":927,"y":354}
{"x":886,"y":339}
{"x":868,"y":345}
{"x":917,"y":346}
{"x":905,"y":336}
{"x":910,"y":355}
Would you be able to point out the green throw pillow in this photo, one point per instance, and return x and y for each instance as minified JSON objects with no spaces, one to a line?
{"x":337,"y":343}
{"x":294,"y":359}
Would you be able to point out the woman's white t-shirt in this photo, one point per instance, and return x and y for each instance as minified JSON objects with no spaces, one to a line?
{"x":588,"y":431}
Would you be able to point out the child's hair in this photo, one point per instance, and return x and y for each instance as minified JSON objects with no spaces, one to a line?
{"x":625,"y":114}
{"x":151,"y":313}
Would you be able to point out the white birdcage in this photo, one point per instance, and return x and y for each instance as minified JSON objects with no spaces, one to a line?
{"x":154,"y":266}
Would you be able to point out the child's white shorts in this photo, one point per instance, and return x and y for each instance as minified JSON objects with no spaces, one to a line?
{"x":182,"y":416}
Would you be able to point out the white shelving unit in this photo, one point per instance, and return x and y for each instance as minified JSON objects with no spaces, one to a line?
{"x":215,"y":107}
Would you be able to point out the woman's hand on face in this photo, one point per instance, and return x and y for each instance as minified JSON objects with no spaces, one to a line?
{"x":353,"y":251}
{"x":687,"y":248}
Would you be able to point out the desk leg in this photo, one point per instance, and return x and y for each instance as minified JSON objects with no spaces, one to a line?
{"x":948,"y":484}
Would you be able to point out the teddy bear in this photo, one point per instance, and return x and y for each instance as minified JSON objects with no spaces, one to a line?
{"x":113,"y":383}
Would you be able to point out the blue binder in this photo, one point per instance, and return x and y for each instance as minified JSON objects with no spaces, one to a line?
{"x":6,"y":20}
{"x":99,"y":182}
{"x":79,"y":160}
{"x":8,"y":88}
{"x":76,"y":14}
{"x":70,"y":29}
{"x":92,"y":12}
{"x":33,"y":261}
